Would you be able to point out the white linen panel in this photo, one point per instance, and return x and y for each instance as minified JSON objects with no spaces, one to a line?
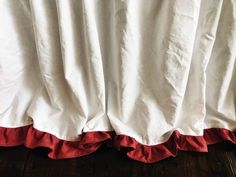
{"x":142,"y":68}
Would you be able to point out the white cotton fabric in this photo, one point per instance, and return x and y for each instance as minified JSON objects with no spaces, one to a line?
{"x":141,"y":68}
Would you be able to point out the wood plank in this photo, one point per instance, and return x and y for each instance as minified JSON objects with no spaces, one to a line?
{"x":12,"y":161}
{"x":107,"y":162}
{"x":220,"y":161}
{"x":39,"y":165}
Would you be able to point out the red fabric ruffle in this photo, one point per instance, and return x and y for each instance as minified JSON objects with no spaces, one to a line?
{"x":91,"y":141}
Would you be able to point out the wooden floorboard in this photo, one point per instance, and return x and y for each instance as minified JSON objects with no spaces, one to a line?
{"x":13,"y":161}
{"x":39,"y":165}
{"x":220,"y":161}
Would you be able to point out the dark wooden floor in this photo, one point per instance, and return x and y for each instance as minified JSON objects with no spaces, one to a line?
{"x":220,"y":161}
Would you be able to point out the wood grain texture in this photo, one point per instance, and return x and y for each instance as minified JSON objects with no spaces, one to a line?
{"x":13,"y":161}
{"x":220,"y":161}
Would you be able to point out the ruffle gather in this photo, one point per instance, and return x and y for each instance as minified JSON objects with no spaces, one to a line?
{"x":90,"y":141}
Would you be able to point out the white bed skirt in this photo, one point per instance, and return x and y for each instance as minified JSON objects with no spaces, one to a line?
{"x":151,"y":76}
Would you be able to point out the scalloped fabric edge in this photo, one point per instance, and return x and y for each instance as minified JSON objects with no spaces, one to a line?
{"x":89,"y":142}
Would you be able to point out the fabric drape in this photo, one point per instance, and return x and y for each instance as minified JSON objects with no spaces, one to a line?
{"x":152,"y":77}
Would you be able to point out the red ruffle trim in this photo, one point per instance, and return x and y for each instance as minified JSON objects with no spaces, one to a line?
{"x":91,"y":141}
